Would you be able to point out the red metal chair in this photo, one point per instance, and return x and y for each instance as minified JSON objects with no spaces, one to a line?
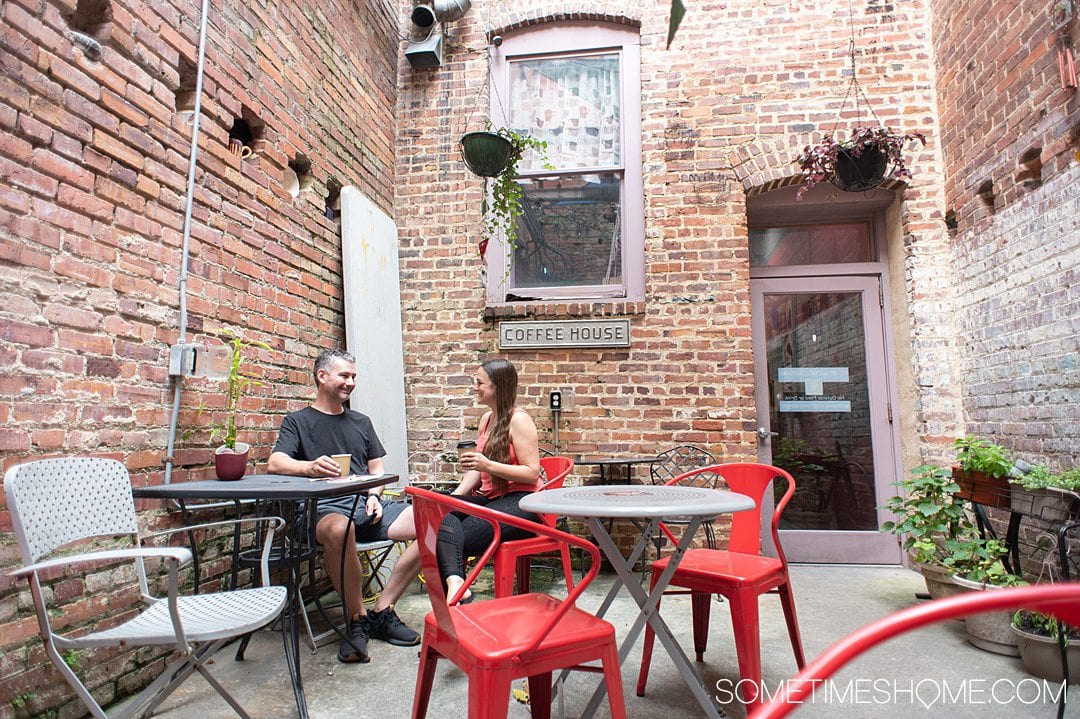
{"x":516,"y":555}
{"x":1060,"y":600}
{"x":499,"y":640}
{"x":740,"y":572}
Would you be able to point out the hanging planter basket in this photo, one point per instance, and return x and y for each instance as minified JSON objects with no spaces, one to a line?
{"x":857,"y":174}
{"x":486,"y":153}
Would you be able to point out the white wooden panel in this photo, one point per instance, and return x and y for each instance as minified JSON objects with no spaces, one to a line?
{"x":369,"y":248}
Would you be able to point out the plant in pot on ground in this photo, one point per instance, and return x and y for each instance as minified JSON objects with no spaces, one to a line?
{"x":1038,"y":637}
{"x":230,"y":459}
{"x":929,"y":517}
{"x":978,"y":566}
{"x":495,"y":154}
{"x":858,"y":163}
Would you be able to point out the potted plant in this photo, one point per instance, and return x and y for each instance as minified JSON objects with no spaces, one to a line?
{"x":231,"y":457}
{"x":977,"y":563}
{"x":982,"y":471}
{"x":495,"y":154}
{"x":929,"y":517}
{"x":1037,"y":637}
{"x":1042,"y":494}
{"x":859,"y":163}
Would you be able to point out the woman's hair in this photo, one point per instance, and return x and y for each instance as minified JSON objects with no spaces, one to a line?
{"x":503,"y":375}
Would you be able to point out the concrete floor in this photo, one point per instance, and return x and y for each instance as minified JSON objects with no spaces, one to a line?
{"x":831,"y":600}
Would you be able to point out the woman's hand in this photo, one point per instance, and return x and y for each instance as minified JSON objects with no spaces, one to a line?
{"x":476,"y":461}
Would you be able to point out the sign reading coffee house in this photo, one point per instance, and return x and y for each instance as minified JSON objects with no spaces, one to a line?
{"x":564,"y":333}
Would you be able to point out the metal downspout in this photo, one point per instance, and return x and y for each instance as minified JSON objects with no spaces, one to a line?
{"x":178,"y":381}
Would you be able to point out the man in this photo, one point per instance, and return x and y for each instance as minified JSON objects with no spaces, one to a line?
{"x":306,"y":441}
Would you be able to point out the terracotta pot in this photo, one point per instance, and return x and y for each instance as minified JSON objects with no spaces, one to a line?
{"x":991,"y":631}
{"x":231,"y":464}
{"x":1042,"y":657}
{"x":856,"y":174}
{"x":983,"y":489}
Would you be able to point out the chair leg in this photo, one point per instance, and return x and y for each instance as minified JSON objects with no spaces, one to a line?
{"x":425,"y":679}
{"x":505,"y":565}
{"x":613,"y":678}
{"x":787,"y":601}
{"x":489,"y":694}
{"x":701,"y":603}
{"x":568,"y":568}
{"x":540,"y":695}
{"x":745,"y":623}
{"x":647,"y":646}
{"x":524,"y":574}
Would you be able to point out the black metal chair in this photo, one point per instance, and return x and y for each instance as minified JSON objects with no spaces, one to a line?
{"x":677,"y":461}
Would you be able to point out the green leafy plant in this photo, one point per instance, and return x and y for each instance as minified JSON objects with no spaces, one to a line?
{"x":928,"y":515}
{"x":225,"y":431}
{"x":502,"y":210}
{"x":818,"y":161}
{"x":73,"y":658}
{"x":978,"y":559}
{"x":982,"y":455}
{"x":1043,"y":625}
{"x":21,"y":700}
{"x":1041,"y":477}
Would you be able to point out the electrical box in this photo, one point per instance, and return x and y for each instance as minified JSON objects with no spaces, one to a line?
{"x":555,"y":400}
{"x":191,"y":360}
{"x":567,"y":398}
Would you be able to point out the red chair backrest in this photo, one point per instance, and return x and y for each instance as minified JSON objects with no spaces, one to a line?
{"x":751,"y":479}
{"x":556,"y":469}
{"x":1060,"y":600}
{"x":429,"y":509}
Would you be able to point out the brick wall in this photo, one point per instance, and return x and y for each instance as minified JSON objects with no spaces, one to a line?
{"x":93,"y":167}
{"x":724,"y":113}
{"x":1004,"y":115}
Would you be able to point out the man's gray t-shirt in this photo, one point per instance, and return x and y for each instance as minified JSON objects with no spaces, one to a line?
{"x":309,"y":434}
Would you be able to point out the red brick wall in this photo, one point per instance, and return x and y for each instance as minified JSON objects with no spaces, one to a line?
{"x":1001,"y":103}
{"x":93,"y":167}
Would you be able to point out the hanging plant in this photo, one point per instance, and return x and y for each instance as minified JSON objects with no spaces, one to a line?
{"x":502,"y":205}
{"x":860,"y":163}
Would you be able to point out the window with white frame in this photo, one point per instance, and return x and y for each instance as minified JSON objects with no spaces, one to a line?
{"x":576,"y":86}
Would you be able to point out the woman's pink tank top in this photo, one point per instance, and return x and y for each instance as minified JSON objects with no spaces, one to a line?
{"x":486,"y":487}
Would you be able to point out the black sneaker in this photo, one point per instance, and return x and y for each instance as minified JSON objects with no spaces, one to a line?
{"x":387,"y":626}
{"x":354,"y":649}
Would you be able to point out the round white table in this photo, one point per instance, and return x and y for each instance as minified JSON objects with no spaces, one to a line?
{"x":645,"y":506}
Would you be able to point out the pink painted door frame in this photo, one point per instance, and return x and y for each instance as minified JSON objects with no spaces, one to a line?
{"x":831,"y":414}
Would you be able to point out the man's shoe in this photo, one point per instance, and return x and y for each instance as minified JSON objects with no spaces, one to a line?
{"x":354,"y":648}
{"x":387,"y":626}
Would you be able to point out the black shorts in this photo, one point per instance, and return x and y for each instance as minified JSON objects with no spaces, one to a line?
{"x":366,"y":531}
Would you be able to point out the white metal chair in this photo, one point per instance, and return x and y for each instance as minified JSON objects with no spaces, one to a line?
{"x":55,"y":502}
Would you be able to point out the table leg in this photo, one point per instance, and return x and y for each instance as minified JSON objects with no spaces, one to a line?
{"x":647,"y":602}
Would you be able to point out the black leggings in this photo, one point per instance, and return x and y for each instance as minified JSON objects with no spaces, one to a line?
{"x":463,"y":535}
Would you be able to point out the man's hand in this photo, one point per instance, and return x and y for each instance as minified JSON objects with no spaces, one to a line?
{"x":323,"y":467}
{"x":374,"y":508}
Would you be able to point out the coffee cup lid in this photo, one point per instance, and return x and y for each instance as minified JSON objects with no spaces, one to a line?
{"x":466,"y":444}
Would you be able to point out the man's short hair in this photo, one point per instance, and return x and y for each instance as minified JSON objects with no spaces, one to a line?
{"x":326,"y":360}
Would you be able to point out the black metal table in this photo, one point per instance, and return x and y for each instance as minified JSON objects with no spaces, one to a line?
{"x":606,"y":463}
{"x":275,"y":487}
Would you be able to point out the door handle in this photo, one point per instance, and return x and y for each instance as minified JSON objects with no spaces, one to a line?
{"x":763,"y":434}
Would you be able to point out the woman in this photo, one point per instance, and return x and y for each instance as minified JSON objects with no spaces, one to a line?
{"x":504,"y":467}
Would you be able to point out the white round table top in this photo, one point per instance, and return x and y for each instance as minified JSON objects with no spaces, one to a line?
{"x":636,"y":500}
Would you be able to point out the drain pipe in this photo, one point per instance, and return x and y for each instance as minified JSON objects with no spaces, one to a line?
{"x":178,"y":381}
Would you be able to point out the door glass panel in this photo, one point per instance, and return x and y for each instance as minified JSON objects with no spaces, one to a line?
{"x":819,"y":406}
{"x":811,"y":245}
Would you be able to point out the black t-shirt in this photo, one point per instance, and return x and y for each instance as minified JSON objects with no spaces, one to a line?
{"x":309,"y":434}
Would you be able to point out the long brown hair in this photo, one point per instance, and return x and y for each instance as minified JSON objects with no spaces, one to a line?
{"x":505,"y":379}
